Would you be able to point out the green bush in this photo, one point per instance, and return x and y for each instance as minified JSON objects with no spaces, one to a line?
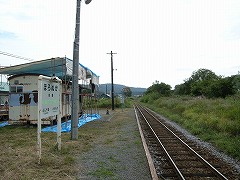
{"x":107,"y":103}
{"x":150,"y":98}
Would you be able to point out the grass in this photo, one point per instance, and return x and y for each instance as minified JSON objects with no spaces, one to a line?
{"x":103,"y":171}
{"x":19,"y":159}
{"x":213,"y":120}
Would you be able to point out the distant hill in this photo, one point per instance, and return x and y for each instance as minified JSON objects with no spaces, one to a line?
{"x":118,"y":89}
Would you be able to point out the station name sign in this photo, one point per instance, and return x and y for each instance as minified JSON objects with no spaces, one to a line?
{"x":49,"y":101}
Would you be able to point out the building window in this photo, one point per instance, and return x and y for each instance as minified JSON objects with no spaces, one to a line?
{"x":16,"y":89}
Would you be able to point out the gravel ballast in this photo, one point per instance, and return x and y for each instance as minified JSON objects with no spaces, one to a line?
{"x":213,"y":150}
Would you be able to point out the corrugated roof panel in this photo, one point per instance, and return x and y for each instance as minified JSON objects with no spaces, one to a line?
{"x":60,"y":67}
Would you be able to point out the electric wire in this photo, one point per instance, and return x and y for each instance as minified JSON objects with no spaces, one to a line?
{"x":16,"y":56}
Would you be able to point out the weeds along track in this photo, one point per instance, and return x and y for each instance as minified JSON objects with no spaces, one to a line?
{"x":174,"y":156}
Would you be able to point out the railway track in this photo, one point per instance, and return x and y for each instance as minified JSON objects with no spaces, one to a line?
{"x":173,"y":155}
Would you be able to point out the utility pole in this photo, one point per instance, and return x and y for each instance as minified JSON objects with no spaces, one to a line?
{"x":75,"y":87}
{"x":112,"y":79}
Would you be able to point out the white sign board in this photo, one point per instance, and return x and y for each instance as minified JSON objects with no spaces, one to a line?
{"x":49,"y":104}
{"x":49,"y":96}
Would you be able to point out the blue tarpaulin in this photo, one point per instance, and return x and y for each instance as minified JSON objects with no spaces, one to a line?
{"x":66,"y":126}
{"x":4,"y":124}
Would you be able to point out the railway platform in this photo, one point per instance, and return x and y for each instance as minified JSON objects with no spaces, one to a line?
{"x":118,"y":152}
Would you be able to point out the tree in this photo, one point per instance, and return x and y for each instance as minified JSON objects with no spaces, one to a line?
{"x":203,"y":75}
{"x":127,"y":92}
{"x":221,"y":88}
{"x":236,"y":82}
{"x":162,"y":89}
{"x":183,"y":89}
{"x":207,"y":83}
{"x":199,"y":82}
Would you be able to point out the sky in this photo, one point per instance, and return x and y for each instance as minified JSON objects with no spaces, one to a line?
{"x":155,"y":40}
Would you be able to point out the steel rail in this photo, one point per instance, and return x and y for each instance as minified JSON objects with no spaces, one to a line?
{"x":213,"y":169}
{"x":147,"y":152}
{"x":176,"y":169}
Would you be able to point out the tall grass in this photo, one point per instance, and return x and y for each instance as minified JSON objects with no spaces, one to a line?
{"x":213,"y":120}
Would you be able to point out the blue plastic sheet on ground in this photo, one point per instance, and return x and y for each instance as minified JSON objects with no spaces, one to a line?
{"x":4,"y":124}
{"x":66,"y":126}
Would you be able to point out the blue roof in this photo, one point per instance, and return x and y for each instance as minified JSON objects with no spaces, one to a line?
{"x":60,"y":67}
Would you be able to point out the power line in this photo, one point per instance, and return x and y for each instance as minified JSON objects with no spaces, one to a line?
{"x":15,"y":56}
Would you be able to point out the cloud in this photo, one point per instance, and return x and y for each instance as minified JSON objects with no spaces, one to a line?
{"x":7,"y":35}
{"x":235,"y":32}
{"x":160,"y":40}
{"x":18,"y":16}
